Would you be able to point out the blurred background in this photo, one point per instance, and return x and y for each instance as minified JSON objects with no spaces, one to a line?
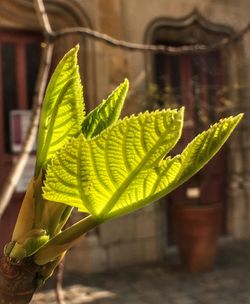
{"x":211,"y":81}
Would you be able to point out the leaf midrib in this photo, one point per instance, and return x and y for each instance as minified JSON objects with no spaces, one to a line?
{"x":120,"y":190}
{"x":91,"y":125}
{"x":181,"y":178}
{"x":48,"y":94}
{"x":47,"y":141}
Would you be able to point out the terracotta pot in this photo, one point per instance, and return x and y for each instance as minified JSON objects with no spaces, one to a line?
{"x":197,"y":230}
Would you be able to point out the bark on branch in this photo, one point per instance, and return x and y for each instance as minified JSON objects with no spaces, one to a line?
{"x":165,"y":49}
{"x":17,"y":282}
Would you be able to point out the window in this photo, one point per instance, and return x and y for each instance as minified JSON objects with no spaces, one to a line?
{"x":19,"y":63}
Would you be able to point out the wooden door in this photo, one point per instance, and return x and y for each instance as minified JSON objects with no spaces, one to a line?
{"x":195,"y":81}
{"x":19,"y":63}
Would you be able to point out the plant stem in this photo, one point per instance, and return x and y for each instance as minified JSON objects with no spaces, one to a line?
{"x":58,"y":286}
{"x":65,"y":240}
{"x":17,"y":282}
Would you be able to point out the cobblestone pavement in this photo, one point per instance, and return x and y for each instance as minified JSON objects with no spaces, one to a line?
{"x":164,"y":283}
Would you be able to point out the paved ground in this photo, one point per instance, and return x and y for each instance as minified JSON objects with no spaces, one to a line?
{"x":164,"y":283}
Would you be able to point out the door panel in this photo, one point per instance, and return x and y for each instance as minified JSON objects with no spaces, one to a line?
{"x":200,"y":81}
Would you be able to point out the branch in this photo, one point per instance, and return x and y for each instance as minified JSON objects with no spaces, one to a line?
{"x":58,"y":286}
{"x":151,"y":47}
{"x":43,"y":18}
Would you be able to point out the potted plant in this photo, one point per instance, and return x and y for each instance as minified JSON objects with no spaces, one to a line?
{"x":196,"y":210}
{"x":198,"y":214}
{"x":198,"y":225}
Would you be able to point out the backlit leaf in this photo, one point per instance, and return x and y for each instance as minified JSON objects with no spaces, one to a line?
{"x":154,"y":183}
{"x":63,"y":109}
{"x":106,"y":113}
{"x":92,"y":175}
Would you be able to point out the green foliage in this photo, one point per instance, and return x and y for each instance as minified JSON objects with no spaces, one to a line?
{"x":106,"y":113}
{"x":32,"y":242}
{"x":123,"y":169}
{"x":99,"y":164}
{"x":94,"y":175}
{"x":63,"y":109}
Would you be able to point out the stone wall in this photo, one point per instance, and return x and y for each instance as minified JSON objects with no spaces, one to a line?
{"x":132,"y":239}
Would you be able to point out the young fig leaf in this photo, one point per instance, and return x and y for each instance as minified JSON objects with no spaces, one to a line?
{"x":93,"y":174}
{"x":106,"y":113}
{"x":156,"y":182}
{"x":63,"y":109}
{"x":123,"y":169}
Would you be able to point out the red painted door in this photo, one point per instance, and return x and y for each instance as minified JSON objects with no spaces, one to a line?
{"x":19,"y":63}
{"x":196,"y":81}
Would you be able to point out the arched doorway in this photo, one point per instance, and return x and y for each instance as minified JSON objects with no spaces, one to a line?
{"x":196,"y":81}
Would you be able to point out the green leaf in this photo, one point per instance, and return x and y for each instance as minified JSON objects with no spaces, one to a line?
{"x":197,"y":154}
{"x":32,"y":242}
{"x":120,"y":171}
{"x":106,"y":113}
{"x":154,"y":183}
{"x":63,"y":109}
{"x":63,"y":241}
{"x":93,"y":174}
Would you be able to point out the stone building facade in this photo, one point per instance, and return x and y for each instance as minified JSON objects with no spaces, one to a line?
{"x":143,"y":236}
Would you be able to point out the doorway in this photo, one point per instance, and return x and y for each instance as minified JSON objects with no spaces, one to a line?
{"x":196,"y":82}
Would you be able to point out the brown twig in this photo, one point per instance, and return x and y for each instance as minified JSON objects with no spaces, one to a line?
{"x":43,"y":18}
{"x":151,"y":47}
{"x":58,"y":286}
